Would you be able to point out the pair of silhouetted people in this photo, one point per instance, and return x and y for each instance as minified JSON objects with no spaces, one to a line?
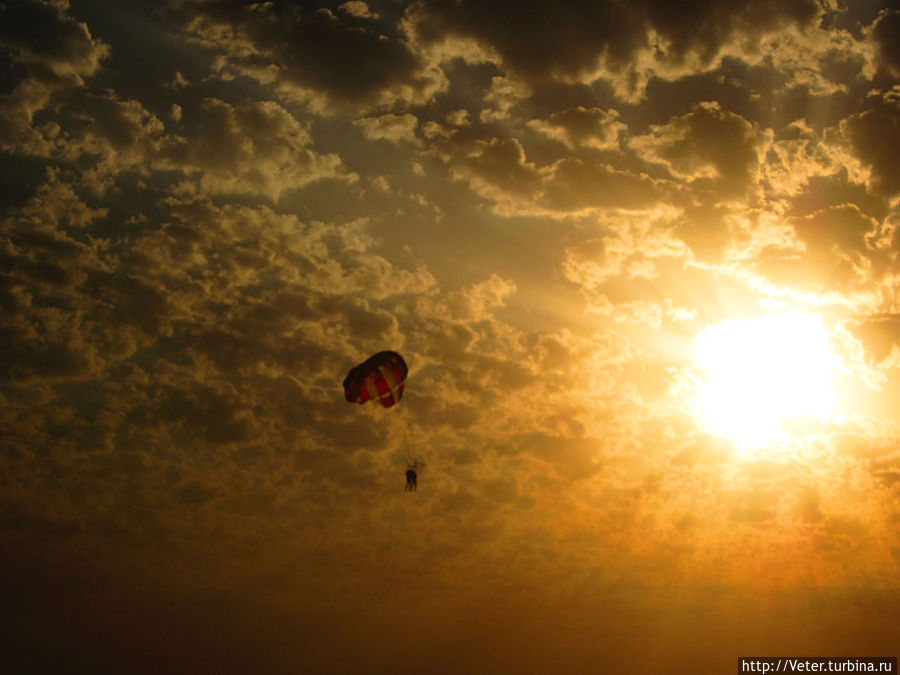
{"x":411,"y":484}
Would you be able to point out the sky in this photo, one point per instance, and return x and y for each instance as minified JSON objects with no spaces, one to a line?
{"x":641,"y":260}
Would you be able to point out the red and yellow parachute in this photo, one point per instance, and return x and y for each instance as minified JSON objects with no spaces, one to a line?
{"x":378,"y":378}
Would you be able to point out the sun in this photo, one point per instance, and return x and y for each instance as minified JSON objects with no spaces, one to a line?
{"x":762,"y":373}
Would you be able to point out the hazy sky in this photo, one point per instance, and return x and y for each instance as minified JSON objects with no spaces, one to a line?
{"x":641,"y":258}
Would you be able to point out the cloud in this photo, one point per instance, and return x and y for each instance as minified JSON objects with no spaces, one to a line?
{"x":798,"y":161}
{"x":871,"y":133}
{"x":576,"y":127}
{"x":247,"y":146}
{"x":879,"y":335}
{"x":568,"y":41}
{"x":42,"y":35}
{"x":393,"y":128}
{"x":214,"y":210}
{"x":708,"y":148}
{"x":884,"y":29}
{"x":631,"y":247}
{"x":250,"y":146}
{"x":584,"y":42}
{"x":576,"y":184}
{"x":340,"y":60}
{"x":48,"y":51}
{"x":358,"y":9}
{"x":835,"y":251}
{"x":117,"y":135}
{"x":498,"y":170}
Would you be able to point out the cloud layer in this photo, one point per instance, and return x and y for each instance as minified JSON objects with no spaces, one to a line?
{"x":212,"y":210}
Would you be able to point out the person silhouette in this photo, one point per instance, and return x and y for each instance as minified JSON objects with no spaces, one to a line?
{"x":411,"y":484}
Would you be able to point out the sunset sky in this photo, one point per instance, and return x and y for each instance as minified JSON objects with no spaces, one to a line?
{"x":642,"y":259}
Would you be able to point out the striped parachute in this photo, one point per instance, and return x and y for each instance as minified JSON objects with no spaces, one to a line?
{"x":379,"y":378}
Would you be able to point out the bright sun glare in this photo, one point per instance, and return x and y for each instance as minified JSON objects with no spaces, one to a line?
{"x":763,"y":373}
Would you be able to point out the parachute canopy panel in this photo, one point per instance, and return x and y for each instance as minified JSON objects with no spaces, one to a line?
{"x":378,"y":378}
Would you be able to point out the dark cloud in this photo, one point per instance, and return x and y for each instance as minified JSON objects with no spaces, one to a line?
{"x":499,"y":170}
{"x":43,"y":35}
{"x":255,"y":145}
{"x":566,"y":40}
{"x":104,"y":124}
{"x":884,"y":32}
{"x":872,"y":133}
{"x":704,"y":26}
{"x":46,"y":51}
{"x":569,"y":40}
{"x":834,"y":190}
{"x":879,"y":334}
{"x":836,"y":250}
{"x":579,"y":126}
{"x":343,"y":56}
{"x":714,"y":150}
{"x":577,"y":184}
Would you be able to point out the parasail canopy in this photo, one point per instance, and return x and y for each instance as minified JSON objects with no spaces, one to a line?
{"x":379,"y":378}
